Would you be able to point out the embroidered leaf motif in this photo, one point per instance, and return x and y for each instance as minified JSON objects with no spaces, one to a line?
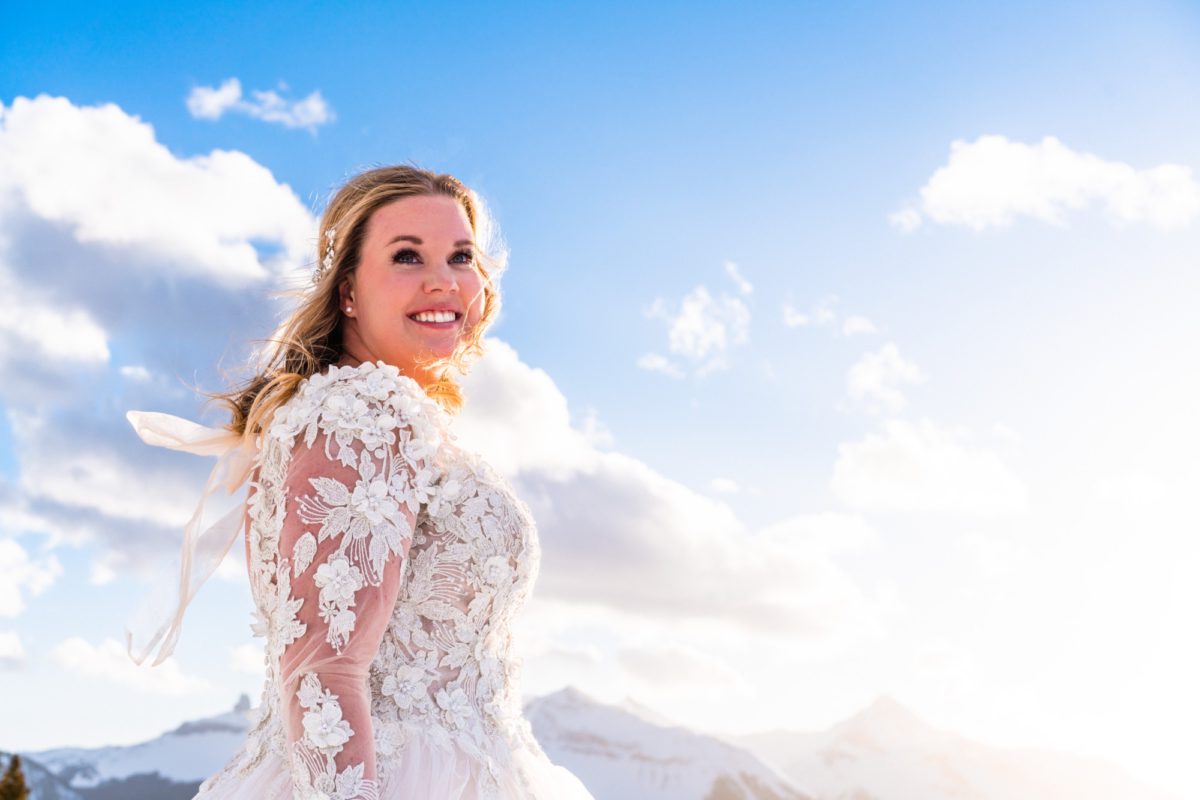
{"x":331,"y":491}
{"x":302,"y":554}
{"x":439,"y":610}
{"x":349,"y":781}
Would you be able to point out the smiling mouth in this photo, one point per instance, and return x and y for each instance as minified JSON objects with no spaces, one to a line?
{"x":446,"y":325}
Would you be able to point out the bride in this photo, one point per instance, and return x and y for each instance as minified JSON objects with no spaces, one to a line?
{"x":386,"y":562}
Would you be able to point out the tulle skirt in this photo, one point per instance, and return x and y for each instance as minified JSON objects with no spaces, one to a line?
{"x":424,"y":771}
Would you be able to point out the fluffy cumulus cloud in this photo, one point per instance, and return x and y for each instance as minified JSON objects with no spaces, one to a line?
{"x":617,"y":534}
{"x":109,"y":663}
{"x":735,"y":274}
{"x":31,"y":322}
{"x":922,"y":466}
{"x":213,"y":102}
{"x":12,"y":653}
{"x":822,"y":314}
{"x":873,"y":382}
{"x":247,"y":658}
{"x":993,"y":181}
{"x":22,"y":574}
{"x":101,"y":478}
{"x":130,"y":277}
{"x":701,"y":331}
{"x":724,"y":485}
{"x":668,"y":665}
{"x":97,"y":175}
{"x":855,"y":324}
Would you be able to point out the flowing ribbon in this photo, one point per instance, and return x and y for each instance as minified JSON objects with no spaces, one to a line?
{"x":202,"y":552}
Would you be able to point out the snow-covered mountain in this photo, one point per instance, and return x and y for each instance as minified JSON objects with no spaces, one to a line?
{"x":885,"y":752}
{"x":620,"y":753}
{"x":168,"y":767}
{"x":628,"y":752}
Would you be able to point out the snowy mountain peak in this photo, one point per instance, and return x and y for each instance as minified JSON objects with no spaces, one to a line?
{"x":572,"y":701}
{"x":885,"y":725}
{"x":618,"y":752}
{"x":887,"y":715}
{"x":568,"y":697}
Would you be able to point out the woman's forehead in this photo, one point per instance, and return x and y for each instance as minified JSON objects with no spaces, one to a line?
{"x":427,"y":218}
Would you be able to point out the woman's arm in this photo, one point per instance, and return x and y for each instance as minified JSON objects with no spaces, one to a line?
{"x":350,"y":514}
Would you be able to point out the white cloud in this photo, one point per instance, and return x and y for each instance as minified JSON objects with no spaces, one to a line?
{"x":994,"y":556}
{"x":920,"y":466}
{"x":135,"y":372}
{"x":101,"y":572}
{"x":855,"y":324}
{"x":724,"y":485}
{"x":36,"y":324}
{"x":679,"y":667}
{"x":16,"y":516}
{"x":702,"y":331}
{"x":98,"y":174}
{"x":20,"y":572}
{"x":109,"y":662}
{"x":518,"y":417}
{"x":615,"y":532}
{"x":207,"y":102}
{"x":872,"y":380}
{"x":653,"y":362}
{"x":820,"y":315}
{"x":12,"y":654}
{"x":53,"y":468}
{"x":596,"y":432}
{"x":731,"y":269}
{"x":906,"y":219}
{"x":102,"y":231}
{"x":992,"y":181}
{"x":247,"y":658}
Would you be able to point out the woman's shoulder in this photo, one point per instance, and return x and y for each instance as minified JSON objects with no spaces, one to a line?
{"x":353,"y":399}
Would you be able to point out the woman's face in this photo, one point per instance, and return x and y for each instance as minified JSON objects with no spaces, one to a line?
{"x":418,"y":255}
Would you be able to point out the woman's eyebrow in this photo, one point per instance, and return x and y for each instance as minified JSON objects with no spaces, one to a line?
{"x":416,"y":240}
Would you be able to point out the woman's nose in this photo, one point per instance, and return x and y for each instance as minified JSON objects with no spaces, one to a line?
{"x":442,"y":276}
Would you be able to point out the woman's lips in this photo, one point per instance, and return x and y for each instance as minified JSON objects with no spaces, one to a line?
{"x":441,"y":326}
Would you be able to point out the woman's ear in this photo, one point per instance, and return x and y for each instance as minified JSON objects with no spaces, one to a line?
{"x":346,"y":295}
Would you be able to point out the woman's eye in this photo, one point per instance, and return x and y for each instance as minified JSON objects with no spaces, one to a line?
{"x":402,"y":257}
{"x":468,"y":256}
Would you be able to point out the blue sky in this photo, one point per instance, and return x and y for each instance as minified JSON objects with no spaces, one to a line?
{"x":955,"y":387}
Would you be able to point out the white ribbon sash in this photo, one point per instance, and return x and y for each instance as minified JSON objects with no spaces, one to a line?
{"x":201,"y":552}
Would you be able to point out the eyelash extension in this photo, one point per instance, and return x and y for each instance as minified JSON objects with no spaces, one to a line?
{"x":397,"y":257}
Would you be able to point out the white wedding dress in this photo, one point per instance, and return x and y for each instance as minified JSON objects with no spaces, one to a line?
{"x":386,"y":566}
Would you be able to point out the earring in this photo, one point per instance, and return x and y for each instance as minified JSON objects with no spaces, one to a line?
{"x":348,"y":309}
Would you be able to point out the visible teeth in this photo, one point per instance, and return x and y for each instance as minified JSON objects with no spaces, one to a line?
{"x":434,"y":316}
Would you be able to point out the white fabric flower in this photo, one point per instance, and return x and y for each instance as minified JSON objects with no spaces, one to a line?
{"x":407,"y":686}
{"x":497,"y":571}
{"x":325,"y":728}
{"x":373,"y":502}
{"x":338,"y":580}
{"x":455,"y":705}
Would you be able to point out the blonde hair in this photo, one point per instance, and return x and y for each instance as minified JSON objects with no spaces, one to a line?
{"x":310,"y":338}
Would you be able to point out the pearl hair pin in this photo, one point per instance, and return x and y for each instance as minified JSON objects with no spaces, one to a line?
{"x":326,"y":262}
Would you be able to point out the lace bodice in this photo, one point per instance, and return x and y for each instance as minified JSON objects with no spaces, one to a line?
{"x":386,"y":565}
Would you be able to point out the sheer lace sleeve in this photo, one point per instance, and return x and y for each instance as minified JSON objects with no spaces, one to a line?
{"x":352,"y":491}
